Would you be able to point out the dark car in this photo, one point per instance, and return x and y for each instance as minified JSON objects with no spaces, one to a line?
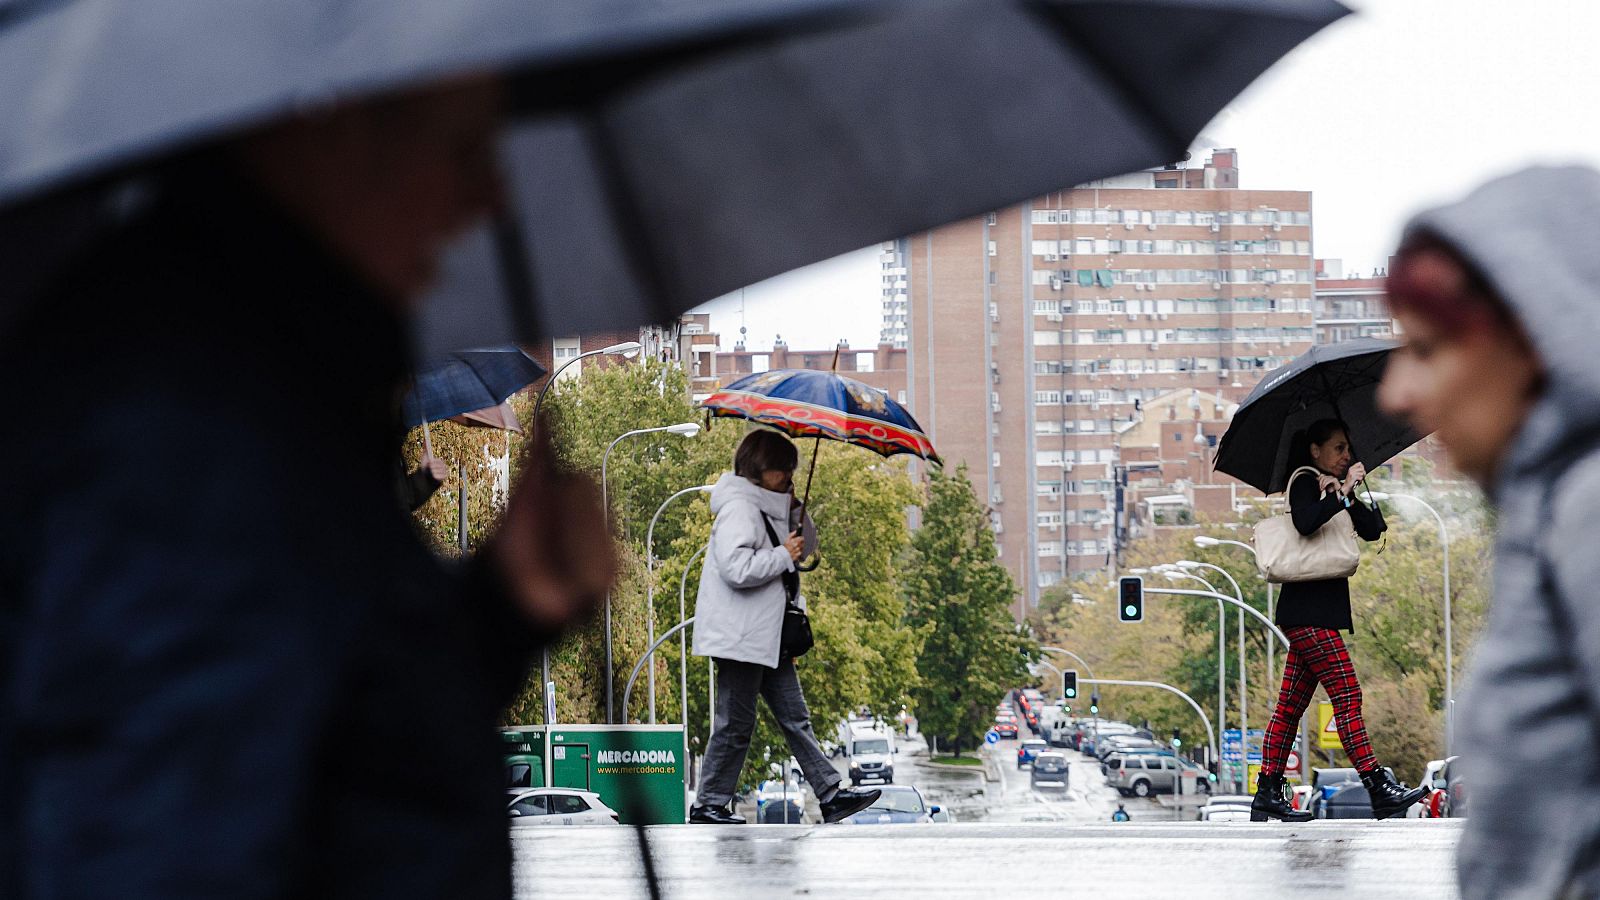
{"x":1345,"y":801}
{"x":1325,"y":782}
{"x":1006,"y":730}
{"x":898,"y":804}
{"x":1448,"y":780}
{"x":1050,"y":772}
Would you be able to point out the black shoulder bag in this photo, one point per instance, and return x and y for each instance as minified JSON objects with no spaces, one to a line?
{"x":796,"y":639}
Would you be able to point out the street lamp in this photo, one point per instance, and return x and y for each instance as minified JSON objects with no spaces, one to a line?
{"x":1206,"y":540}
{"x":650,"y":603}
{"x":627,"y":350}
{"x":1244,"y":728}
{"x":686,"y":429}
{"x":1449,"y":657}
{"x":1173,"y":573}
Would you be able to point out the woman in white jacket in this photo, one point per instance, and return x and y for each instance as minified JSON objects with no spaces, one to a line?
{"x":759,"y":536}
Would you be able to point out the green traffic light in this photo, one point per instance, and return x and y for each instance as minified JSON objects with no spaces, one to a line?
{"x":1094,"y":709}
{"x":1131,"y":610}
{"x":1072,"y":692}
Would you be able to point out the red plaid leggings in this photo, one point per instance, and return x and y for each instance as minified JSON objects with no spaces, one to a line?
{"x":1317,"y":655}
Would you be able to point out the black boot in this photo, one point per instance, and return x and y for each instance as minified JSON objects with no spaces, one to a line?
{"x":713,"y":815}
{"x":846,"y":802}
{"x":1389,"y":797}
{"x":1272,"y":801}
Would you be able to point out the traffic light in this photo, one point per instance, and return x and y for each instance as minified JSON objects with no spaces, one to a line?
{"x":1130,"y":599}
{"x":1069,"y":684}
{"x":1094,"y":703}
{"x":1177,"y":739}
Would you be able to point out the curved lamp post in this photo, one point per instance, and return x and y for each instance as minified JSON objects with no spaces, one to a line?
{"x":1189,"y":565}
{"x":687,"y":429}
{"x":650,"y":597}
{"x":627,"y":350}
{"x":1173,"y":573}
{"x":1086,"y":668}
{"x":1449,"y":657}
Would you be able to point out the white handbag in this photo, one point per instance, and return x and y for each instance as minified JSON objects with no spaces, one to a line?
{"x":1284,"y":555}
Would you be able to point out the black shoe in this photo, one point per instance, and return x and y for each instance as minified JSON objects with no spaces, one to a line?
{"x":1389,"y":797}
{"x":713,"y":815}
{"x":847,"y":802}
{"x":1272,"y":801}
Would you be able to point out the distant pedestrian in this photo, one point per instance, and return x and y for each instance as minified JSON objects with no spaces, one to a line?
{"x":1498,"y":297}
{"x":750,"y":584}
{"x":1312,"y":613}
{"x":1121,"y":815}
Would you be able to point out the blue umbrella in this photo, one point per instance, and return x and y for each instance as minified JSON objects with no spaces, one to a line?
{"x":467,"y":381}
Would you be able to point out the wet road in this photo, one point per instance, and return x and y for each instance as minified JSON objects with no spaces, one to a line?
{"x":1401,"y":858}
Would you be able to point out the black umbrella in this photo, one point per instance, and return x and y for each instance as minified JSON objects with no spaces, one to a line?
{"x":664,"y":151}
{"x":1338,"y":381}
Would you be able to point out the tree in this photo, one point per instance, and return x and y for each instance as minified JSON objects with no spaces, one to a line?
{"x":958,"y":598}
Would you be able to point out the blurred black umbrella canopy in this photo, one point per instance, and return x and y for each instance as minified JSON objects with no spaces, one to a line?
{"x":659,"y":152}
{"x":1333,"y":381}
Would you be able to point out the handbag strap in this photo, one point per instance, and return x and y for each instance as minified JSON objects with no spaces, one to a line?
{"x":1287,"y":485}
{"x":791,"y":580}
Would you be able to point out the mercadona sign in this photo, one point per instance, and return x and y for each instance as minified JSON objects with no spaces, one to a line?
{"x":638,"y":770}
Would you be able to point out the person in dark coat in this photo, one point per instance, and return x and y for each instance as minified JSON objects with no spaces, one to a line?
{"x":1311,"y":614}
{"x":231,"y":668}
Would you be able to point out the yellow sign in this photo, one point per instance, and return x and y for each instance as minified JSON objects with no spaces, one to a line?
{"x":1253,"y":773}
{"x":1327,"y":728}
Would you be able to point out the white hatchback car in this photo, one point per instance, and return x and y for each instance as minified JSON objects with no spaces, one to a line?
{"x":1226,"y":808}
{"x":528,"y":807}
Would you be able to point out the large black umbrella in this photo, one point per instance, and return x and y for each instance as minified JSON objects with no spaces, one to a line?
{"x":664,"y":151}
{"x":1338,"y":381}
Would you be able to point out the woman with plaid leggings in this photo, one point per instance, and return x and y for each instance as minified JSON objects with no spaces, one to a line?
{"x":1311,"y":614}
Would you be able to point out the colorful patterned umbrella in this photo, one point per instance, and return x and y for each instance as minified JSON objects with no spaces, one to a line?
{"x":808,"y":403}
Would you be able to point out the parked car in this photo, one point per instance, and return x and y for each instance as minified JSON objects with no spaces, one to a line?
{"x":1006,"y":730}
{"x":940,"y":814}
{"x":1300,"y":796}
{"x":1226,"y":808}
{"x":1324,"y":782}
{"x":1050,"y":771}
{"x":1344,"y":800}
{"x":1113,"y":759}
{"x":557,"y":806}
{"x":775,"y":806}
{"x":897,"y":804}
{"x":1142,"y":774}
{"x":1427,"y":808}
{"x":1453,"y":805}
{"x":1030,"y":748}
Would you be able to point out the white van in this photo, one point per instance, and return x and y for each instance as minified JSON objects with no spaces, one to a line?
{"x":870,"y":751}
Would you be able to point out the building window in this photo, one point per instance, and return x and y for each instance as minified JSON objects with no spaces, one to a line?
{"x":563,"y":351}
{"x":994,"y":249}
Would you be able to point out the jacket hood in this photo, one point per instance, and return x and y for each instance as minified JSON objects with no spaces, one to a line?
{"x":731,"y":487}
{"x":1534,"y":236}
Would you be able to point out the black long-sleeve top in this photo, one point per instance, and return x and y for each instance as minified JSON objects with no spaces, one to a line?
{"x":1325,"y":604}
{"x":230,"y":667}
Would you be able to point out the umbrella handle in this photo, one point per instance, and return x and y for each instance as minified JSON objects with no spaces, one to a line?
{"x":427,"y":440}
{"x":811,"y":566}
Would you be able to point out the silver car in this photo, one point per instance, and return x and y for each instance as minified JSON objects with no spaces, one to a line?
{"x":1143,"y":774}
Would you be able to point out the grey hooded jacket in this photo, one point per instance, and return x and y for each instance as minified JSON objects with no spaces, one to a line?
{"x":739,"y":610}
{"x":1529,"y":720}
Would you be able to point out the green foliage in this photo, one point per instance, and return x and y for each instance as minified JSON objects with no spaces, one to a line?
{"x":958,"y":598}
{"x":864,"y":654}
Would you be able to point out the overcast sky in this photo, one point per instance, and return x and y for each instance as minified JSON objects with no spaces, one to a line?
{"x":1407,"y":103}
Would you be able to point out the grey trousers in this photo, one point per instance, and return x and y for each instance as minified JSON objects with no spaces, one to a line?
{"x":738,"y":685}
